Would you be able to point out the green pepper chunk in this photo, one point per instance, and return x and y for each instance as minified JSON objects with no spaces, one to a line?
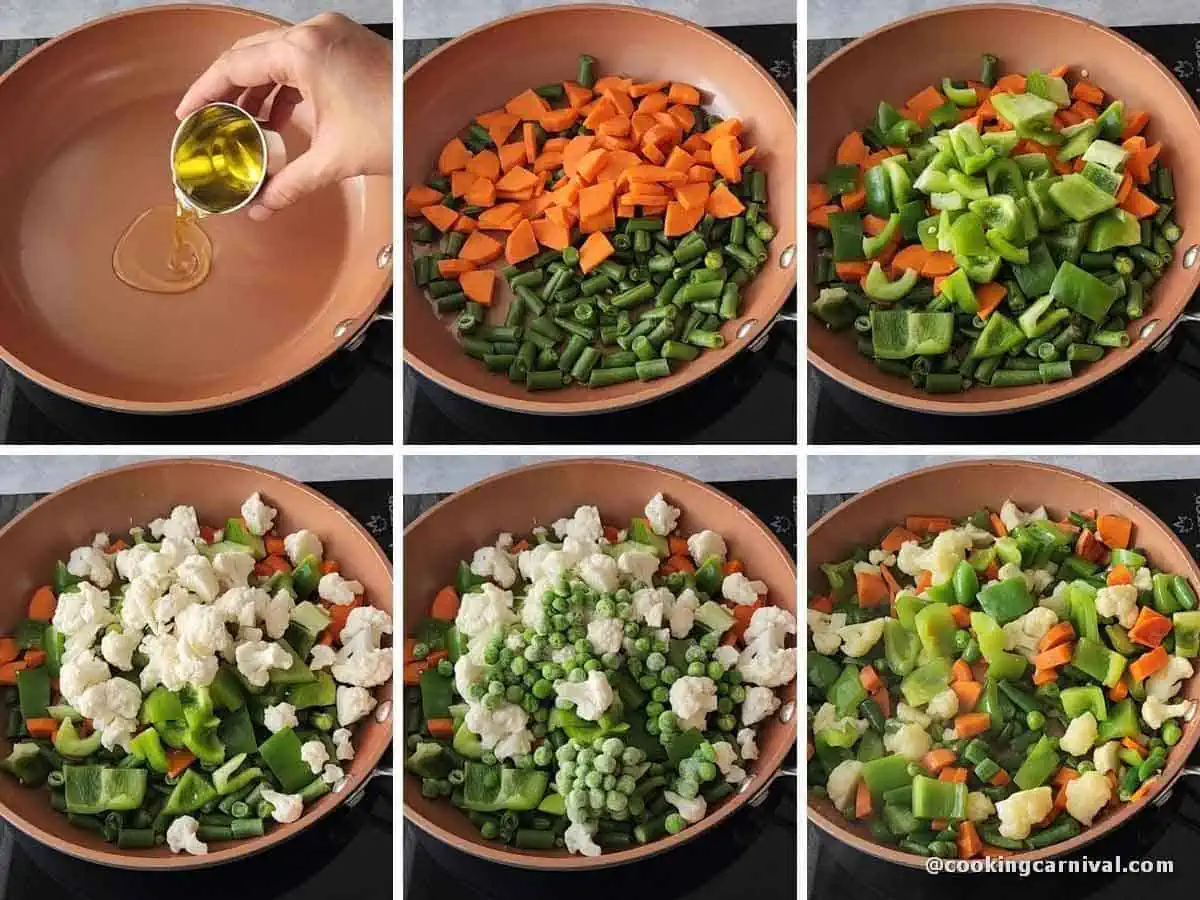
{"x":1084,"y":698}
{"x":68,"y":742}
{"x":923,"y":683}
{"x":847,"y":692}
{"x":1079,"y":198}
{"x":1187,"y":633}
{"x":146,"y":745}
{"x":33,"y":692}
{"x":879,"y":191}
{"x":1007,"y":250}
{"x":886,"y":773}
{"x":932,"y":799}
{"x":26,"y":763}
{"x":306,"y":576}
{"x":901,"y":333}
{"x":841,"y":179}
{"x":907,"y":607}
{"x":191,"y":792}
{"x":1094,"y":659}
{"x":999,"y":336}
{"x":963,"y":97}
{"x":1023,"y":109}
{"x":1122,"y":722}
{"x":1006,"y":600}
{"x":901,"y":647}
{"x":1039,"y":764}
{"x":966,"y":583}
{"x":492,"y":788}
{"x":936,"y":627}
{"x":877,"y":287}
{"x":998,"y":212}
{"x":956,"y":287}
{"x":1106,"y":154}
{"x":1078,"y":139}
{"x":1050,"y":87}
{"x":1081,"y":601}
{"x":281,"y":753}
{"x":1115,"y":228}
{"x":873,"y":245}
{"x":1081,"y":291}
{"x":833,"y":307}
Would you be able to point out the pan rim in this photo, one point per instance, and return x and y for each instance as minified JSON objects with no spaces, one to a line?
{"x":1180,"y":752}
{"x":481,"y":850}
{"x":651,"y":390}
{"x":210,"y":402}
{"x":254,"y":846}
{"x":1054,"y":391}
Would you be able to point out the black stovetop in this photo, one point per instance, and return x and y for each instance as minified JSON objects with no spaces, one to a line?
{"x":755,"y":849}
{"x":1140,"y":404}
{"x":348,"y":854}
{"x":1169,"y":833}
{"x":751,"y":399}
{"x":345,"y":400}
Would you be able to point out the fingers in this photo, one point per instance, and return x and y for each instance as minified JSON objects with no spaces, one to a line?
{"x":307,"y":173}
{"x":283,"y":104}
{"x":266,"y":62}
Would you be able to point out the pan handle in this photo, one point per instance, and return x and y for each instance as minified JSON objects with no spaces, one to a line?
{"x":377,"y":772}
{"x":1165,"y":794}
{"x":1183,"y":318}
{"x":759,"y":342}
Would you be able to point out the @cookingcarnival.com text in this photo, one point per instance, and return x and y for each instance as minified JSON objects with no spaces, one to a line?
{"x":1083,"y":866}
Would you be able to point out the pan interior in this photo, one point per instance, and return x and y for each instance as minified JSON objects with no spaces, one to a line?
{"x":90,"y":122}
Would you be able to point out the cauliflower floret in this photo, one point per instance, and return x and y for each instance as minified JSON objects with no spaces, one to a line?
{"x":1022,"y":810}
{"x":591,"y":697}
{"x":233,"y":568}
{"x":943,"y":706}
{"x":336,"y":589}
{"x":321,"y":657}
{"x":316,"y":754}
{"x":765,"y":661}
{"x":691,"y":810}
{"x":949,"y":548}
{"x":842,"y":783}
{"x":726,"y":655}
{"x":501,"y":730}
{"x":881,"y":558}
{"x":362,"y":665}
{"x":705,"y":545}
{"x":910,"y":741}
{"x":605,"y":635}
{"x":1012,"y":517}
{"x":1106,"y":757}
{"x":906,"y":713}
{"x":661,"y":515}
{"x":827,"y":717}
{"x":80,"y":616}
{"x":256,"y":659}
{"x":1143,"y":580}
{"x":353,"y":703}
{"x":332,"y":774}
{"x":727,"y":762}
{"x":181,"y":526}
{"x":1024,"y":633}
{"x":857,"y":640}
{"x":747,"y":745}
{"x":113,"y":708}
{"x":284,"y":807}
{"x":302,"y":543}
{"x":693,"y":698}
{"x":201,"y":629}
{"x":257,"y":515}
{"x":1087,"y":795}
{"x":760,"y":702}
{"x":599,"y":572}
{"x":1155,"y":712}
{"x":639,"y":565}
{"x":653,"y":605}
{"x":1120,"y":602}
{"x":1080,"y":735}
{"x":343,"y":747}
{"x":578,"y":837}
{"x":771,"y":624}
{"x":484,"y":611}
{"x":1164,"y":683}
{"x":585,"y":526}
{"x":182,"y":835}
{"x":979,"y":806}
{"x":682,"y":614}
{"x":493,"y":563}
{"x":197,"y":575}
{"x":825,"y":628}
{"x":739,"y":589}
{"x":279,"y":717}
{"x":92,"y":564}
{"x":79,"y":673}
{"x":117,"y":648}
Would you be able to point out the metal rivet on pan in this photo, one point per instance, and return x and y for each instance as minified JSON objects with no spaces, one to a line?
{"x":788,"y":254}
{"x":1083,"y":73}
{"x":384,"y":711}
{"x":787,"y":711}
{"x":1147,"y":329}
{"x":340,"y":329}
{"x":746,"y":327}
{"x":384,"y":259}
{"x":1189,"y":258}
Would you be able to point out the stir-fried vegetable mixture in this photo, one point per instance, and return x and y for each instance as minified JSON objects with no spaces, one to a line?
{"x":999,"y":681}
{"x":594,"y":688}
{"x":649,"y":213}
{"x":997,"y":232}
{"x":183,"y":685}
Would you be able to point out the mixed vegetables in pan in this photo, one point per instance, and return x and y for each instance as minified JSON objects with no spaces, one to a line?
{"x":995,"y":232}
{"x":996,"y":682}
{"x":183,"y":685}
{"x":592,"y":688}
{"x":633,"y":218}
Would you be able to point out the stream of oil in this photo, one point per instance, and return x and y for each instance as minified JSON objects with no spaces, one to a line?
{"x":164,"y":251}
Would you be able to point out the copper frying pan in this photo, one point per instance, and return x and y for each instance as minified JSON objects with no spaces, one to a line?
{"x":114,"y":500}
{"x":485,"y":67}
{"x":899,"y":59}
{"x":959,"y":489}
{"x":516,"y":501}
{"x":88,"y":120}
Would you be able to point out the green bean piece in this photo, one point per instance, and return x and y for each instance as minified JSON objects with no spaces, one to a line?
{"x":711,"y":340}
{"x":1111,"y":338}
{"x":440,"y":288}
{"x":499,"y":333}
{"x":474,"y":347}
{"x":612,"y":269}
{"x":570,"y":354}
{"x":498,"y":362}
{"x":453,"y":242}
{"x":607,"y":376}
{"x":531,"y":279}
{"x":704,"y":290}
{"x":648,"y":369}
{"x":586,"y":75}
{"x":989,"y":70}
{"x":547,"y":359}
{"x":515,"y":314}
{"x":585,"y":363}
{"x":135,"y":838}
{"x":765,"y":231}
{"x":450,"y":303}
{"x":691,"y":248}
{"x":1015,"y":377}
{"x":730,"y":298}
{"x":620,"y":359}
{"x":548,"y":380}
{"x":632,"y":297}
{"x":672,"y":349}
{"x":583,"y":331}
{"x":943,"y":382}
{"x":737,"y":231}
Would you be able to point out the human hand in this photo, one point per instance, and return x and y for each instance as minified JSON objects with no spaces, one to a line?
{"x":342,"y":74}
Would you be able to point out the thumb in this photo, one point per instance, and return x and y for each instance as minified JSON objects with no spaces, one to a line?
{"x":302,"y":176}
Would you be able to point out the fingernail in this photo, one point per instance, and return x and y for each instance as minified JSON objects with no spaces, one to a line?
{"x":260,"y":213}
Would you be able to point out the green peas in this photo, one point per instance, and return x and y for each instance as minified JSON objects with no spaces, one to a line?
{"x":631,"y":756}
{"x":660,"y":694}
{"x":596,"y":798}
{"x":420,"y":651}
{"x":652,"y":726}
{"x":962,"y":637}
{"x":659,"y":646}
{"x":506,"y":657}
{"x":612,"y":746}
{"x":734,"y":676}
{"x":1035,"y":719}
{"x":542,"y":689}
{"x":489,"y":829}
{"x":722,"y":688}
{"x":1171,"y":733}
{"x":654,"y":709}
{"x":528,"y":702}
{"x":710,"y":641}
{"x":714,"y":670}
{"x":524,"y":761}
{"x":591,"y":665}
{"x":625,"y":610}
{"x":626,"y":784}
{"x":477,"y":691}
{"x":519,"y":666}
{"x":611,"y":661}
{"x":577,"y":675}
{"x":724,"y":705}
{"x":556,"y":641}
{"x":706,"y":771}
{"x":491,"y":655}
{"x":605,"y":609}
{"x":674,"y":823}
{"x":669,"y":675}
{"x":694,"y":653}
{"x":495,"y":688}
{"x":642,"y":645}
{"x":726,"y":723}
{"x":697,"y":668}
{"x":577,"y":799}
{"x":605,"y":765}
{"x":687,"y":788}
{"x":445,"y":668}
{"x":705,"y":752}
{"x":668,"y":720}
{"x":635,"y":666}
{"x":615,"y":801}
{"x":493,"y":702}
{"x":558,"y":622}
{"x":656,"y":662}
{"x":647,"y":682}
{"x":583,"y":646}
{"x":631,"y":630}
{"x":594,"y":778}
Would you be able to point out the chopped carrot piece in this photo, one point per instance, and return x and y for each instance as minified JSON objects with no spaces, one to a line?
{"x":968,"y":725}
{"x":968,"y":841}
{"x":1114,"y":531}
{"x":852,"y":150}
{"x":1058,"y":655}
{"x":445,"y":605}
{"x":862,"y":801}
{"x":1150,"y":628}
{"x":872,"y":591}
{"x":1149,"y":663}
{"x":869,"y":679}
{"x":43,"y":604}
{"x":936,"y":760}
{"x":968,"y":693}
{"x":1119,"y":575}
{"x":1057,"y":634}
{"x":897,"y":537}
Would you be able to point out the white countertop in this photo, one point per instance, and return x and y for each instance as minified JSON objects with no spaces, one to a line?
{"x":446,"y":474}
{"x":42,"y":474}
{"x":851,"y":18}
{"x":437,"y":18}
{"x":851,"y":474}
{"x":46,"y":18}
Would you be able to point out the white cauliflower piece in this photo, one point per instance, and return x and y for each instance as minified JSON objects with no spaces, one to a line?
{"x":181,"y":526}
{"x":906,"y":713}
{"x":943,"y":706}
{"x":825,"y":628}
{"x":704,"y":545}
{"x":1119,"y":602}
{"x":639,"y":565}
{"x":682,"y":614}
{"x":692,"y":699}
{"x":494,"y":563}
{"x":1087,"y":795}
{"x":1143,"y":580}
{"x":284,"y":807}
{"x":747,"y":745}
{"x":578,"y":837}
{"x":1080,"y":735}
{"x":1164,"y":683}
{"x":691,"y":810}
{"x":979,"y":806}
{"x":302,"y":543}
{"x":484,"y":611}
{"x":827,"y":717}
{"x":353,"y":703}
{"x":857,"y":640}
{"x":1106,"y":757}
{"x":1155,"y":712}
{"x":255,"y":659}
{"x":92,"y":564}
{"x":591,"y":697}
{"x":843,"y":782}
{"x":182,"y":835}
{"x":315,"y":754}
{"x":739,"y":589}
{"x":1024,"y":633}
{"x":343,"y":746}
{"x":233,"y":569}
{"x":335,"y":589}
{"x":760,"y":702}
{"x":117,"y":648}
{"x":662,"y":516}
{"x":321,"y":657}
{"x":948,"y":549}
{"x":599,"y":572}
{"x":1022,"y":810}
{"x":259,"y":517}
{"x":585,"y":526}
{"x":280,"y":716}
{"x":910,"y":741}
{"x":605,"y":635}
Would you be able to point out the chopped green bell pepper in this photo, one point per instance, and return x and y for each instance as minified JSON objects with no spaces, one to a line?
{"x":1112,"y":121}
{"x":956,"y":287}
{"x":1040,"y":763}
{"x":902,"y":333}
{"x":879,"y":192}
{"x":1067,"y":241}
{"x":1049,"y":87}
{"x":33,"y":691}
{"x":306,"y":576}
{"x":227,"y":779}
{"x":1078,"y":139}
{"x":1039,"y":318}
{"x":1103,"y":178}
{"x":999,"y":336}
{"x":1008,"y":251}
{"x":1079,"y":198}
{"x":191,"y":792}
{"x":902,"y":189}
{"x":998,"y":212}
{"x":26,"y":763}
{"x":936,"y":628}
{"x":1115,"y":228}
{"x":1081,"y":291}
{"x":1036,"y":278}
{"x":1094,"y":659}
{"x":147,"y":746}
{"x":281,"y":753}
{"x":709,"y":576}
{"x":834,"y":307}
{"x":1187,"y":633}
{"x":901,"y":647}
{"x":924,"y":682}
{"x":877,"y":287}
{"x":1006,"y":600}
{"x":933,"y":799}
{"x":966,"y":583}
{"x":1106,"y":154}
{"x":1023,"y":109}
{"x":885,"y":774}
{"x":1122,"y":722}
{"x":847,"y":692}
{"x":841,"y":179}
{"x":492,"y":788}
{"x":965,"y":96}
{"x":907,"y":606}
{"x":873,"y":245}
{"x":1164,"y":595}
{"x":1086,"y":698}
{"x":68,"y":742}
{"x":1045,"y":209}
